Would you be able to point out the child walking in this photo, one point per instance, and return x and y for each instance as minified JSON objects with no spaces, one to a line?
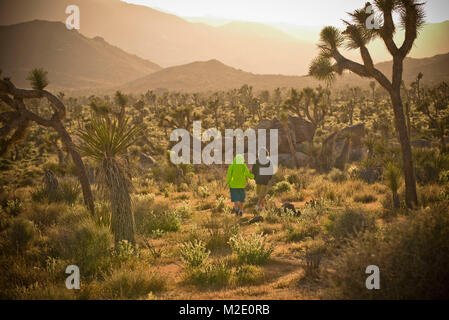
{"x":263,"y":174}
{"x":238,"y":172}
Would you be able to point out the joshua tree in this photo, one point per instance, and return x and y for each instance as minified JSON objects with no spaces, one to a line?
{"x":106,"y":142}
{"x":357,"y":36}
{"x":293,"y":102}
{"x":17,"y":122}
{"x":300,"y":102}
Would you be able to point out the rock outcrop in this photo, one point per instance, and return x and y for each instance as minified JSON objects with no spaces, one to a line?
{"x":344,"y":146}
{"x":301,"y":131}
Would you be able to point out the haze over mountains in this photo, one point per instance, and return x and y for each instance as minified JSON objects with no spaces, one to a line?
{"x":169,"y":40}
{"x":197,"y":56}
{"x":71,"y":59}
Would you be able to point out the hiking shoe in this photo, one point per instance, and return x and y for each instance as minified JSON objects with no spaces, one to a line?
{"x":241,"y":213}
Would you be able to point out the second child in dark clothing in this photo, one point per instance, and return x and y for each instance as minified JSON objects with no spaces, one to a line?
{"x":263,"y":174}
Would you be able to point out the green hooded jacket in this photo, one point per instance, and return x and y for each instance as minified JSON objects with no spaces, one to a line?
{"x":237,"y":173}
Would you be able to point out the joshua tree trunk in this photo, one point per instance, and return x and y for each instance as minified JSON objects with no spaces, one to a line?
{"x":396,"y":202}
{"x":411,"y":198}
{"x":80,"y":168}
{"x":122,"y":219}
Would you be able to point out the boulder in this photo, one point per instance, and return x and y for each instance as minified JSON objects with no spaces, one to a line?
{"x":344,"y":146}
{"x":301,"y":131}
{"x":290,"y":207}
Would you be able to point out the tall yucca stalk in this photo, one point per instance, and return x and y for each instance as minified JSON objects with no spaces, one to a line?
{"x":392,"y":177}
{"x":106,"y":142}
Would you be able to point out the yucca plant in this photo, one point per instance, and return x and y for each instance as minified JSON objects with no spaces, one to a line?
{"x":38,"y":79}
{"x":106,"y":142}
{"x":392,"y":177}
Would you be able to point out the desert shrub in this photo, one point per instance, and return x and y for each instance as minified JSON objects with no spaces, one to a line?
{"x":194,"y":254}
{"x":314,"y":250}
{"x":167,"y":221}
{"x":249,"y":275}
{"x":293,"y":196}
{"x":365,"y":197}
{"x":336,"y":175}
{"x":348,"y":223}
{"x":18,"y":274}
{"x":369,"y":171}
{"x":219,"y":233}
{"x":142,"y":202}
{"x":306,"y":228}
{"x":203,"y":192}
{"x":183,"y":196}
{"x":217,"y":274}
{"x":124,"y":251}
{"x":69,"y":191}
{"x":84,"y":244}
{"x":157,"y":234}
{"x":21,"y":234}
{"x":14,"y":206}
{"x":221,"y":205}
{"x":183,"y":187}
{"x":429,"y":164}
{"x":45,"y":215}
{"x":272,"y":215}
{"x":102,"y":215}
{"x":5,"y":221}
{"x":39,"y":195}
{"x":294,"y":179}
{"x":206,"y":205}
{"x":430,"y":194}
{"x":412,"y":254}
{"x":327,"y":191}
{"x":131,"y":284}
{"x":184,"y":211}
{"x":43,"y":291}
{"x":443,"y":178}
{"x":282,"y":187}
{"x":252,"y":249}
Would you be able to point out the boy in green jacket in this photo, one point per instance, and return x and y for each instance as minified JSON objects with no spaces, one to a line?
{"x":237,"y":174}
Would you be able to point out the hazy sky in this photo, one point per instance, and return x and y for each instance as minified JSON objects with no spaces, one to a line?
{"x":299,"y":12}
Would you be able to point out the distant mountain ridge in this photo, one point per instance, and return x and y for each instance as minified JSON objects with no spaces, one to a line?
{"x":71,"y":59}
{"x":170,"y":40}
{"x":213,"y":75}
